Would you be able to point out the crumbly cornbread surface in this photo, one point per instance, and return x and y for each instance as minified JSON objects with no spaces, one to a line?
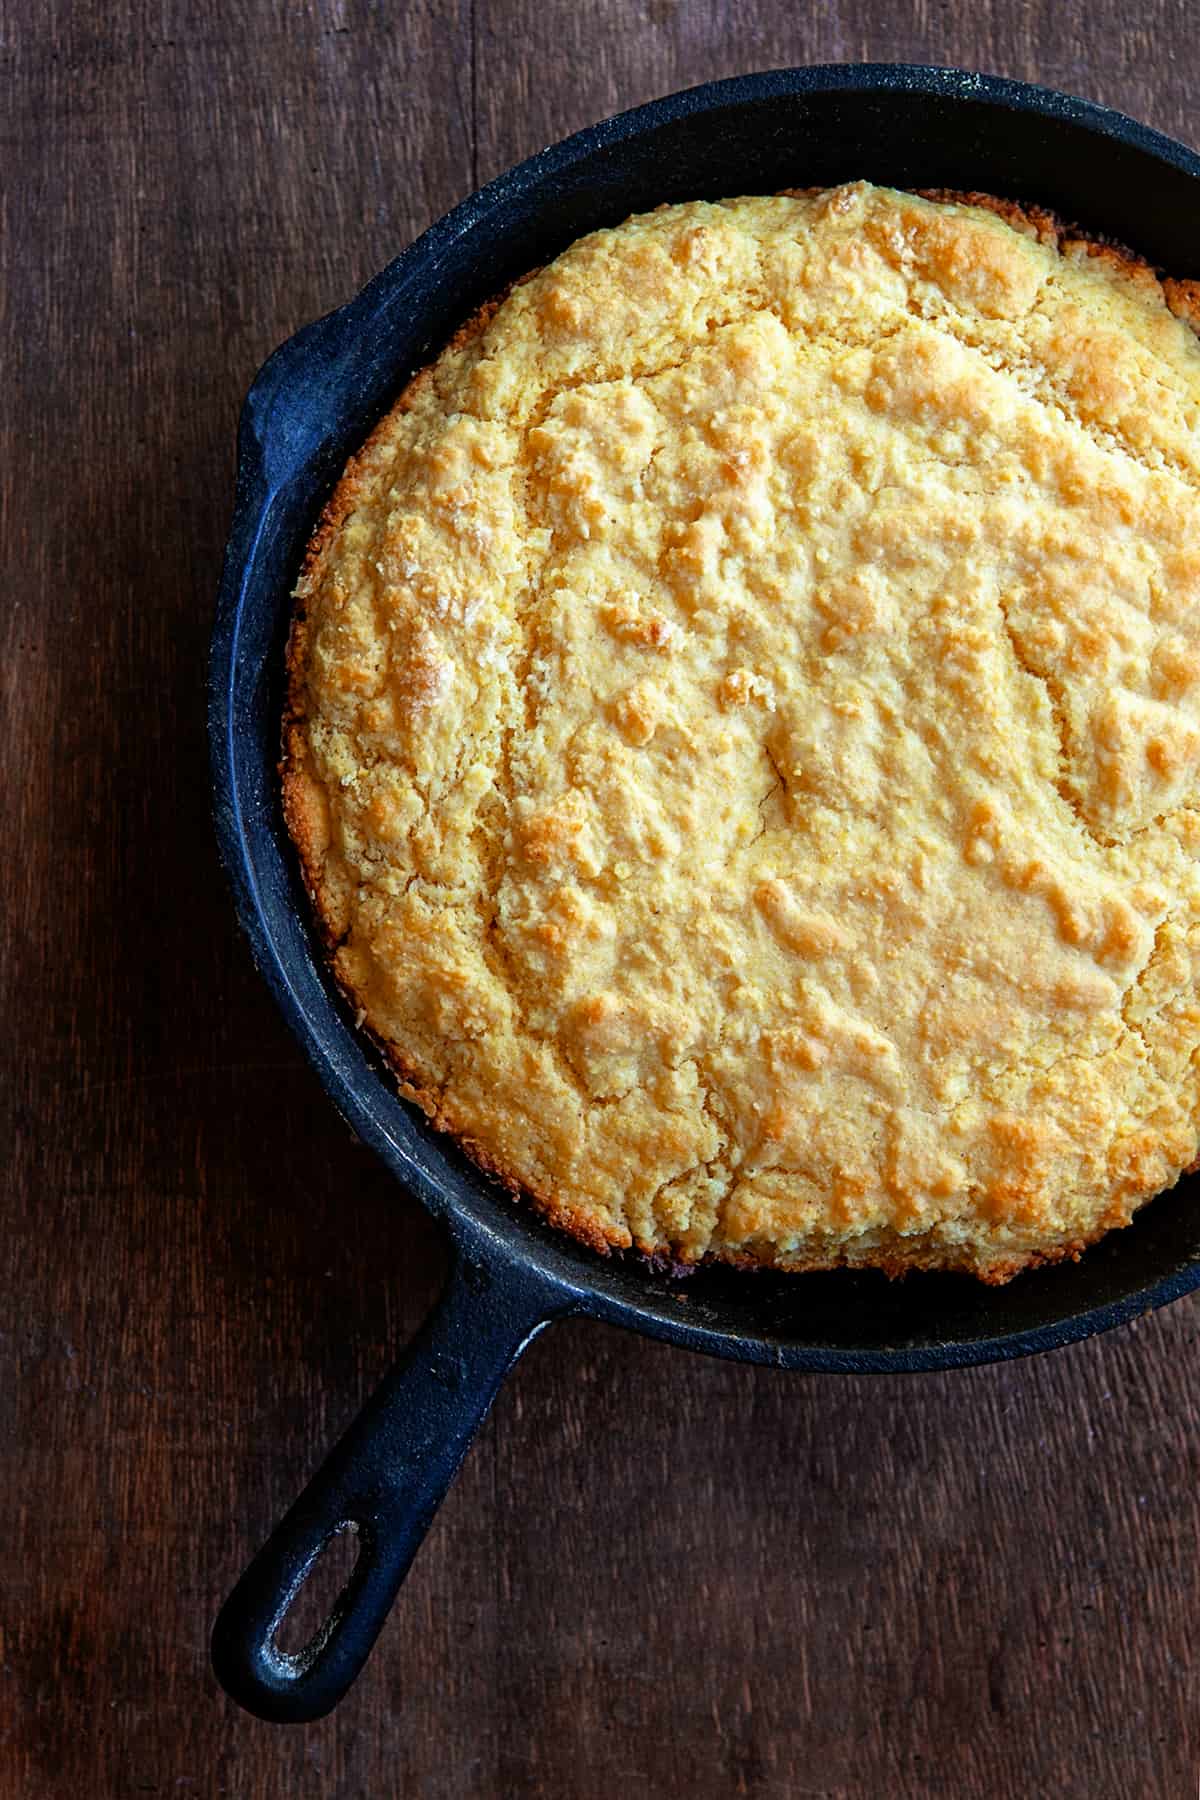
{"x":744,"y":727}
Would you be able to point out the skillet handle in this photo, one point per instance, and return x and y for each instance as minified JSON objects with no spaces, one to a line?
{"x":385,"y":1479}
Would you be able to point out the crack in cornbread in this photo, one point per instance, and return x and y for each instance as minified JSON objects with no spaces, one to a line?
{"x":743,"y":734}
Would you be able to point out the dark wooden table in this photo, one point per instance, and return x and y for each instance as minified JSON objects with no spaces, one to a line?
{"x":656,"y":1575}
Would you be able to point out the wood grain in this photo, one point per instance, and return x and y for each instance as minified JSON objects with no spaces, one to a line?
{"x":655,"y":1574}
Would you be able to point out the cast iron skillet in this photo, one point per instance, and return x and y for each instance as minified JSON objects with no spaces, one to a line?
{"x":310,"y":407}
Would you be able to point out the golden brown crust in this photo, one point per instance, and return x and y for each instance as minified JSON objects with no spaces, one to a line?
{"x":454,"y":448}
{"x":303,"y":805}
{"x":1056,"y":233}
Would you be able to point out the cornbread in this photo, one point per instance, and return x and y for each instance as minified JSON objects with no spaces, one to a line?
{"x":743,"y":732}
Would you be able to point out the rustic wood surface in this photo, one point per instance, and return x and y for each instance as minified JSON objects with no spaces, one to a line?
{"x":656,"y":1574}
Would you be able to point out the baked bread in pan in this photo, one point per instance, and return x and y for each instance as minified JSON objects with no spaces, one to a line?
{"x":743,"y":728}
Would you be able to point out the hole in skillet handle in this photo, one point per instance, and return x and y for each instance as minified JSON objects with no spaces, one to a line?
{"x":385,"y":1479}
{"x":321,"y":1594}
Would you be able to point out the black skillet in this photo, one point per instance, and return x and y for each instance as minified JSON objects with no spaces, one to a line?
{"x":310,"y":407}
